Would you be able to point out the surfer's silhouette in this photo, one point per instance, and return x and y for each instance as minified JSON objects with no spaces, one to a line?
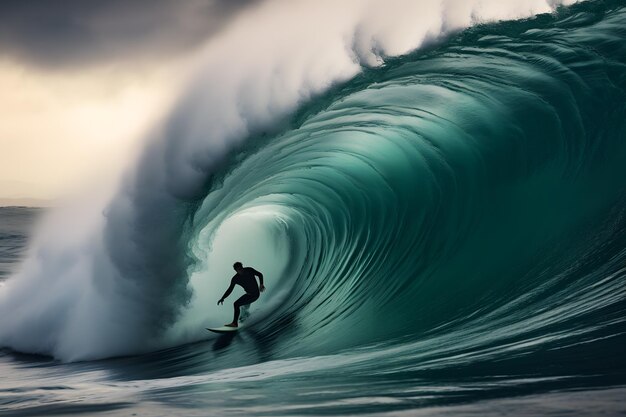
{"x":245,"y":277}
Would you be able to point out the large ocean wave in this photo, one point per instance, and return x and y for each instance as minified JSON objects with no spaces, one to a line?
{"x":460,"y":203}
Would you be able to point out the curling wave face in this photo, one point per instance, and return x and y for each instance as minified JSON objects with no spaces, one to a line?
{"x":472,"y":194}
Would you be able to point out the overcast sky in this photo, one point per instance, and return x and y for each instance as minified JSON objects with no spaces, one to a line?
{"x":82,"y":81}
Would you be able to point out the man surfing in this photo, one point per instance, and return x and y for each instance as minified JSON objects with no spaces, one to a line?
{"x":245,"y":277}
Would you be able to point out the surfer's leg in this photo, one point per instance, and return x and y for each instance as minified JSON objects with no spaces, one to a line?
{"x":241,"y":301}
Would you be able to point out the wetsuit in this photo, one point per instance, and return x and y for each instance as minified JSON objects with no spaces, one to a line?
{"x":248,"y":281}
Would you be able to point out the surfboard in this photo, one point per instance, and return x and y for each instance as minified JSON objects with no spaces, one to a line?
{"x":223,"y":329}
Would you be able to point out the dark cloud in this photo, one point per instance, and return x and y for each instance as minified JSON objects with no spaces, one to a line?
{"x":81,"y":32}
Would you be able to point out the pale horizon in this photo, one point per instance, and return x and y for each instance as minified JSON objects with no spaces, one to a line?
{"x":63,"y":128}
{"x":78,"y":99}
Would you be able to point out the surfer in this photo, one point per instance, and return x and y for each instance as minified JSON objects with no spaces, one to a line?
{"x":245,"y":277}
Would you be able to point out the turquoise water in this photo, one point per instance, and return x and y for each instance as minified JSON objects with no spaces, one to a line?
{"x":443,"y":234}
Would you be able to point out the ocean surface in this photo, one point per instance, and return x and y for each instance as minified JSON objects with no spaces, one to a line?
{"x":444,"y":234}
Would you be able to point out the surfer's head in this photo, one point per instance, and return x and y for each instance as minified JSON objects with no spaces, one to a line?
{"x":238,"y":266}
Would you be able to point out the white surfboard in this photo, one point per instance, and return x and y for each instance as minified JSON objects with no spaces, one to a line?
{"x":223,"y":329}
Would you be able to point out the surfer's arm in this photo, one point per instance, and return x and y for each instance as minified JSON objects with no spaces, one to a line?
{"x":229,"y":290}
{"x":260,"y":275}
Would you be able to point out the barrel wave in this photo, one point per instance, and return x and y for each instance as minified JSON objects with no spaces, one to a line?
{"x":473,"y":193}
{"x":458,"y":212}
